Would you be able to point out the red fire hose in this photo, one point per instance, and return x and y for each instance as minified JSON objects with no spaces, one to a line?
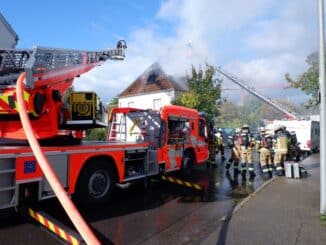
{"x":47,"y":170}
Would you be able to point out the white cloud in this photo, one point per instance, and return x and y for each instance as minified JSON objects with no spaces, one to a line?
{"x":258,"y":40}
{"x":267,"y":75}
{"x":291,"y":30}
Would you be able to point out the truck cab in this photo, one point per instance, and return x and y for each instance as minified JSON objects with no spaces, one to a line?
{"x":176,"y":135}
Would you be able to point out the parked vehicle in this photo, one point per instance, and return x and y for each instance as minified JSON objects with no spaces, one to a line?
{"x":307,"y":133}
{"x":141,"y":143}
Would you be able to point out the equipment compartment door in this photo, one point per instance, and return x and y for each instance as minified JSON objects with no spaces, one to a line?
{"x":176,"y":139}
{"x":59,"y":164}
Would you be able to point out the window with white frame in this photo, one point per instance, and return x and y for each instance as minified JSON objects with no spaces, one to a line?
{"x":157,"y":104}
{"x":131,"y":104}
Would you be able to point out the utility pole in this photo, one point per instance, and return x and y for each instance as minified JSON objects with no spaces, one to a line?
{"x":322,"y":88}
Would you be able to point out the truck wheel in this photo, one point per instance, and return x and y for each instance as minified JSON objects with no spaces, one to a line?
{"x":96,"y":183}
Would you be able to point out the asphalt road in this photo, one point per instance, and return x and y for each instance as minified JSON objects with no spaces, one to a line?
{"x":162,"y":213}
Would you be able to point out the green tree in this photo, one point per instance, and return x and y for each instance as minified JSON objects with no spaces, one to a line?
{"x":230,"y":115}
{"x":101,"y":133}
{"x":112,"y":104}
{"x":204,"y":92}
{"x":252,"y":112}
{"x":96,"y":134}
{"x":308,"y":81}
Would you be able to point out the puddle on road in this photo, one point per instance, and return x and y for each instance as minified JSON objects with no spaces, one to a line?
{"x":217,"y":183}
{"x":220,"y":184}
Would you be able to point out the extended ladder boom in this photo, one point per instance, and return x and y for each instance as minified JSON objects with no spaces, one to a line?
{"x":258,"y":94}
{"x":44,"y":66}
{"x":49,"y":73}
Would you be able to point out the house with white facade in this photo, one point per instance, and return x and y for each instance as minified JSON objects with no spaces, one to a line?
{"x":151,"y":90}
{"x":8,"y":36}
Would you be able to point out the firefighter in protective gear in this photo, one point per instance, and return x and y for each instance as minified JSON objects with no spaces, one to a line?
{"x":294,"y":151}
{"x":246,"y":142}
{"x":235,"y":153}
{"x":220,"y":144}
{"x":264,"y":144}
{"x":288,"y":134}
{"x":281,"y":145}
{"x":211,"y":146}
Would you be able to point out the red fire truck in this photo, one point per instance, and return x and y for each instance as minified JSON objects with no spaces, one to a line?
{"x":140,"y":143}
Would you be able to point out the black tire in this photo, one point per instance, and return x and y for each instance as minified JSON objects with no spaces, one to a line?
{"x":96,"y":183}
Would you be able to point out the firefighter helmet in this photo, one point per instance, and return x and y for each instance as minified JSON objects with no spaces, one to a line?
{"x":278,"y":128}
{"x":245,"y":129}
{"x":237,"y":130}
{"x":245,"y":126}
{"x":262,"y":129}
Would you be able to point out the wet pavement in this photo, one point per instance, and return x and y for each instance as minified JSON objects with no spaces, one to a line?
{"x":162,"y":213}
{"x":286,"y":211}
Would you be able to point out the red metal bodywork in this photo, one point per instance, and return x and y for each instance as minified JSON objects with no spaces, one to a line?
{"x":78,"y":156}
{"x":199,"y":148}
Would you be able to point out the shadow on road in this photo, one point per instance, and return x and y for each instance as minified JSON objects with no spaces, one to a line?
{"x":239,"y":191}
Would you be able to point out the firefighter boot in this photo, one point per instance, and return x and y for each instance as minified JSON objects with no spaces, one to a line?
{"x":228,"y":164}
{"x":264,"y":169}
{"x":213,"y":163}
{"x":236,"y":168}
{"x":251,"y":170}
{"x":270,"y":170}
{"x":243,"y":170}
{"x":279,"y":170}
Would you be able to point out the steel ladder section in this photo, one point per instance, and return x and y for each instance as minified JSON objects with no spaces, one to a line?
{"x":41,"y":60}
{"x":256,"y":93}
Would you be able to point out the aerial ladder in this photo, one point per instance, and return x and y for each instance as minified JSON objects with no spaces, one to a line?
{"x":288,"y":114}
{"x":50,"y":73}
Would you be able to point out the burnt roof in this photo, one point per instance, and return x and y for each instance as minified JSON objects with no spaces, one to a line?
{"x":152,"y":80}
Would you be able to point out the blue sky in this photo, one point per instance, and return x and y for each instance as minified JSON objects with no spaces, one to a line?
{"x":82,"y":24}
{"x":258,"y":40}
